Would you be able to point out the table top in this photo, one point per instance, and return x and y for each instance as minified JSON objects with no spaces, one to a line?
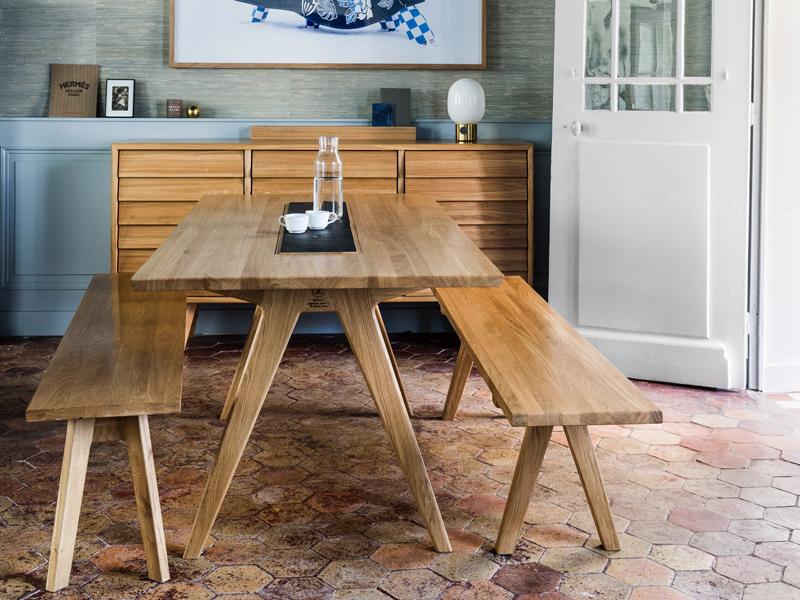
{"x":229,"y":242}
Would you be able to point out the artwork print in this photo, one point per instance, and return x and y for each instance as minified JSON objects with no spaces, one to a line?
{"x":328,"y":33}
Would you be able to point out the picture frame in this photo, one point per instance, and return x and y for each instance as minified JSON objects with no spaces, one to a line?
{"x":277,"y":34}
{"x":120,"y":98}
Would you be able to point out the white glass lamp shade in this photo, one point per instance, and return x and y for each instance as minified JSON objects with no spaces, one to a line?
{"x":466,"y":101}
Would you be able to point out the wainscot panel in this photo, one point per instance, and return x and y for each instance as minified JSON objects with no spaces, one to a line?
{"x":55,"y":214}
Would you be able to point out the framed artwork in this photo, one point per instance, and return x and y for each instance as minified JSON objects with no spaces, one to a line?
{"x":328,"y":34}
{"x":119,"y":97}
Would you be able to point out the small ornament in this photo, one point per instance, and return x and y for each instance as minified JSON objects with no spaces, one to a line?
{"x":174,"y":109}
{"x":193,"y":112}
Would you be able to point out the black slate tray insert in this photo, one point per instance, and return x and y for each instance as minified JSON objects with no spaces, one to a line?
{"x":337,"y":237}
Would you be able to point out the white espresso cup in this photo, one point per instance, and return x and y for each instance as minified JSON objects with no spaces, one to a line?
{"x":320,"y":219}
{"x":294,"y":222}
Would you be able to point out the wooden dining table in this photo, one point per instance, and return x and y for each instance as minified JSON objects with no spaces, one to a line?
{"x":229,"y":244}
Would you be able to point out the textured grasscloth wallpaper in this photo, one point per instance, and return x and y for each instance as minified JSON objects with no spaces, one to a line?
{"x":129,"y":39}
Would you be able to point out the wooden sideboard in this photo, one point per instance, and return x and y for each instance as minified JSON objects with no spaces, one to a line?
{"x":487,"y":188}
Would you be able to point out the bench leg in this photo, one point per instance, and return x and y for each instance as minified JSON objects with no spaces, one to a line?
{"x":531,"y":455}
{"x":356,"y":310}
{"x":140,"y":455}
{"x":191,"y":321}
{"x":580,"y":444}
{"x":244,"y":364}
{"x":388,"y":342}
{"x":458,"y":383}
{"x":70,"y":495}
{"x":280,"y":311}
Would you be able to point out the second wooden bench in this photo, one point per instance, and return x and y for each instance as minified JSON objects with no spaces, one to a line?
{"x":542,"y":374}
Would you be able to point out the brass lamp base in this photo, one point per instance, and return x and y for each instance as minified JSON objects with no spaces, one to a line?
{"x":466,"y":133}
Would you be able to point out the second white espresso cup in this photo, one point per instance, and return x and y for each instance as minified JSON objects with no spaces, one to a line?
{"x":294,"y":222}
{"x":320,"y":219}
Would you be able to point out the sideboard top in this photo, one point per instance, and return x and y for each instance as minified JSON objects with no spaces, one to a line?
{"x":278,"y":145}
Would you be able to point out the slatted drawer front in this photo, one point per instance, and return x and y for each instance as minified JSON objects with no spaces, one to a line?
{"x":153,"y":213}
{"x":143,"y":236}
{"x":300,"y":163}
{"x":178,"y":189}
{"x":129,"y":261}
{"x":466,"y":163}
{"x":354,"y":185}
{"x":487,"y":213}
{"x":511,"y":189}
{"x":181,"y":163}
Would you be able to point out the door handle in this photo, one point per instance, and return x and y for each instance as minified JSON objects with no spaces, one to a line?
{"x":576,"y":127}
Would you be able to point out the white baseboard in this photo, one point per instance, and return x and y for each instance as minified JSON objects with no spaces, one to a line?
{"x":678,"y":360}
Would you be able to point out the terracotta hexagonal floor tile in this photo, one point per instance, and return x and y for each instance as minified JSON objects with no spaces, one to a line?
{"x":297,"y":588}
{"x":682,"y":558}
{"x":711,"y":488}
{"x":403,"y":556}
{"x":722,"y":543}
{"x":235,"y":552}
{"x":781,"y":553}
{"x":639,"y":571}
{"x":748,"y":569}
{"x":297,"y":562}
{"x":770,"y":591}
{"x":482,"y":505}
{"x":353,"y":574}
{"x":555,"y":536}
{"x":787,"y":517}
{"x":460,"y":540}
{"x":757,"y":530}
{"x":178,"y":591}
{"x":346,"y":547}
{"x":695,"y":519}
{"x":290,"y":536}
{"x":528,"y":578}
{"x":395,"y":532}
{"x":768,"y":497}
{"x":708,"y":586}
{"x":630,"y":547}
{"x":414,"y":585}
{"x":459,"y":566}
{"x":573,"y":560}
{"x":657,"y":593}
{"x":477,"y":590}
{"x":735,"y":508}
{"x":714,"y":421}
{"x":244,"y":578}
{"x":659,"y":532}
{"x":594,"y":585}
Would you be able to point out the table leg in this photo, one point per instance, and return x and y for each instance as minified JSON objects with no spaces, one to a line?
{"x":191,"y":321}
{"x":356,"y":310}
{"x":457,"y":384}
{"x":395,"y":367}
{"x":244,"y":363}
{"x":280,"y":311}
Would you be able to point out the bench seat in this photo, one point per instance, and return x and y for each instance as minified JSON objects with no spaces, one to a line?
{"x":120,"y":360}
{"x":542,"y":373}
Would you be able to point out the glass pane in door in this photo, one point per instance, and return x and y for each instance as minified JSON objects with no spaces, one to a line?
{"x":598,"y":38}
{"x":647,"y":30}
{"x":646,"y":98}
{"x":697,"y":38}
{"x":697,"y":98}
{"x":598,"y":97}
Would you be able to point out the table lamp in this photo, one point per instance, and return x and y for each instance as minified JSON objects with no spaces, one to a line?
{"x":466,"y":105}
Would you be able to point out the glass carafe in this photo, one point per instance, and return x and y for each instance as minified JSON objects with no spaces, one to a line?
{"x":328,"y":194}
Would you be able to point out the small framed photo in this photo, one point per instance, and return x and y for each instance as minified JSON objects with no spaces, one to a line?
{"x":119,"y":97}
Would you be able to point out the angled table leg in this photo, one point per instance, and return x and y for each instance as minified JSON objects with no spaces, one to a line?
{"x":191,"y":321}
{"x":70,"y":495}
{"x":244,"y":363}
{"x":580,"y":444}
{"x":356,"y":310}
{"x":140,"y":455}
{"x":395,"y":367}
{"x":461,"y":373}
{"x":534,"y":445}
{"x":281,"y":309}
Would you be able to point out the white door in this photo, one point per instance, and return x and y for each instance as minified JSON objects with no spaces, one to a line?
{"x":650,"y":183}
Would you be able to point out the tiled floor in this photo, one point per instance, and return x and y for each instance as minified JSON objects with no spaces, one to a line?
{"x":319,"y":509}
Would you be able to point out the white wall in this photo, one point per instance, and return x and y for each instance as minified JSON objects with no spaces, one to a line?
{"x":779,"y":351}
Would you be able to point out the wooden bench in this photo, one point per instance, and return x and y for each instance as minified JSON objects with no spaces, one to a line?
{"x":119,"y":361}
{"x":542,"y":374}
